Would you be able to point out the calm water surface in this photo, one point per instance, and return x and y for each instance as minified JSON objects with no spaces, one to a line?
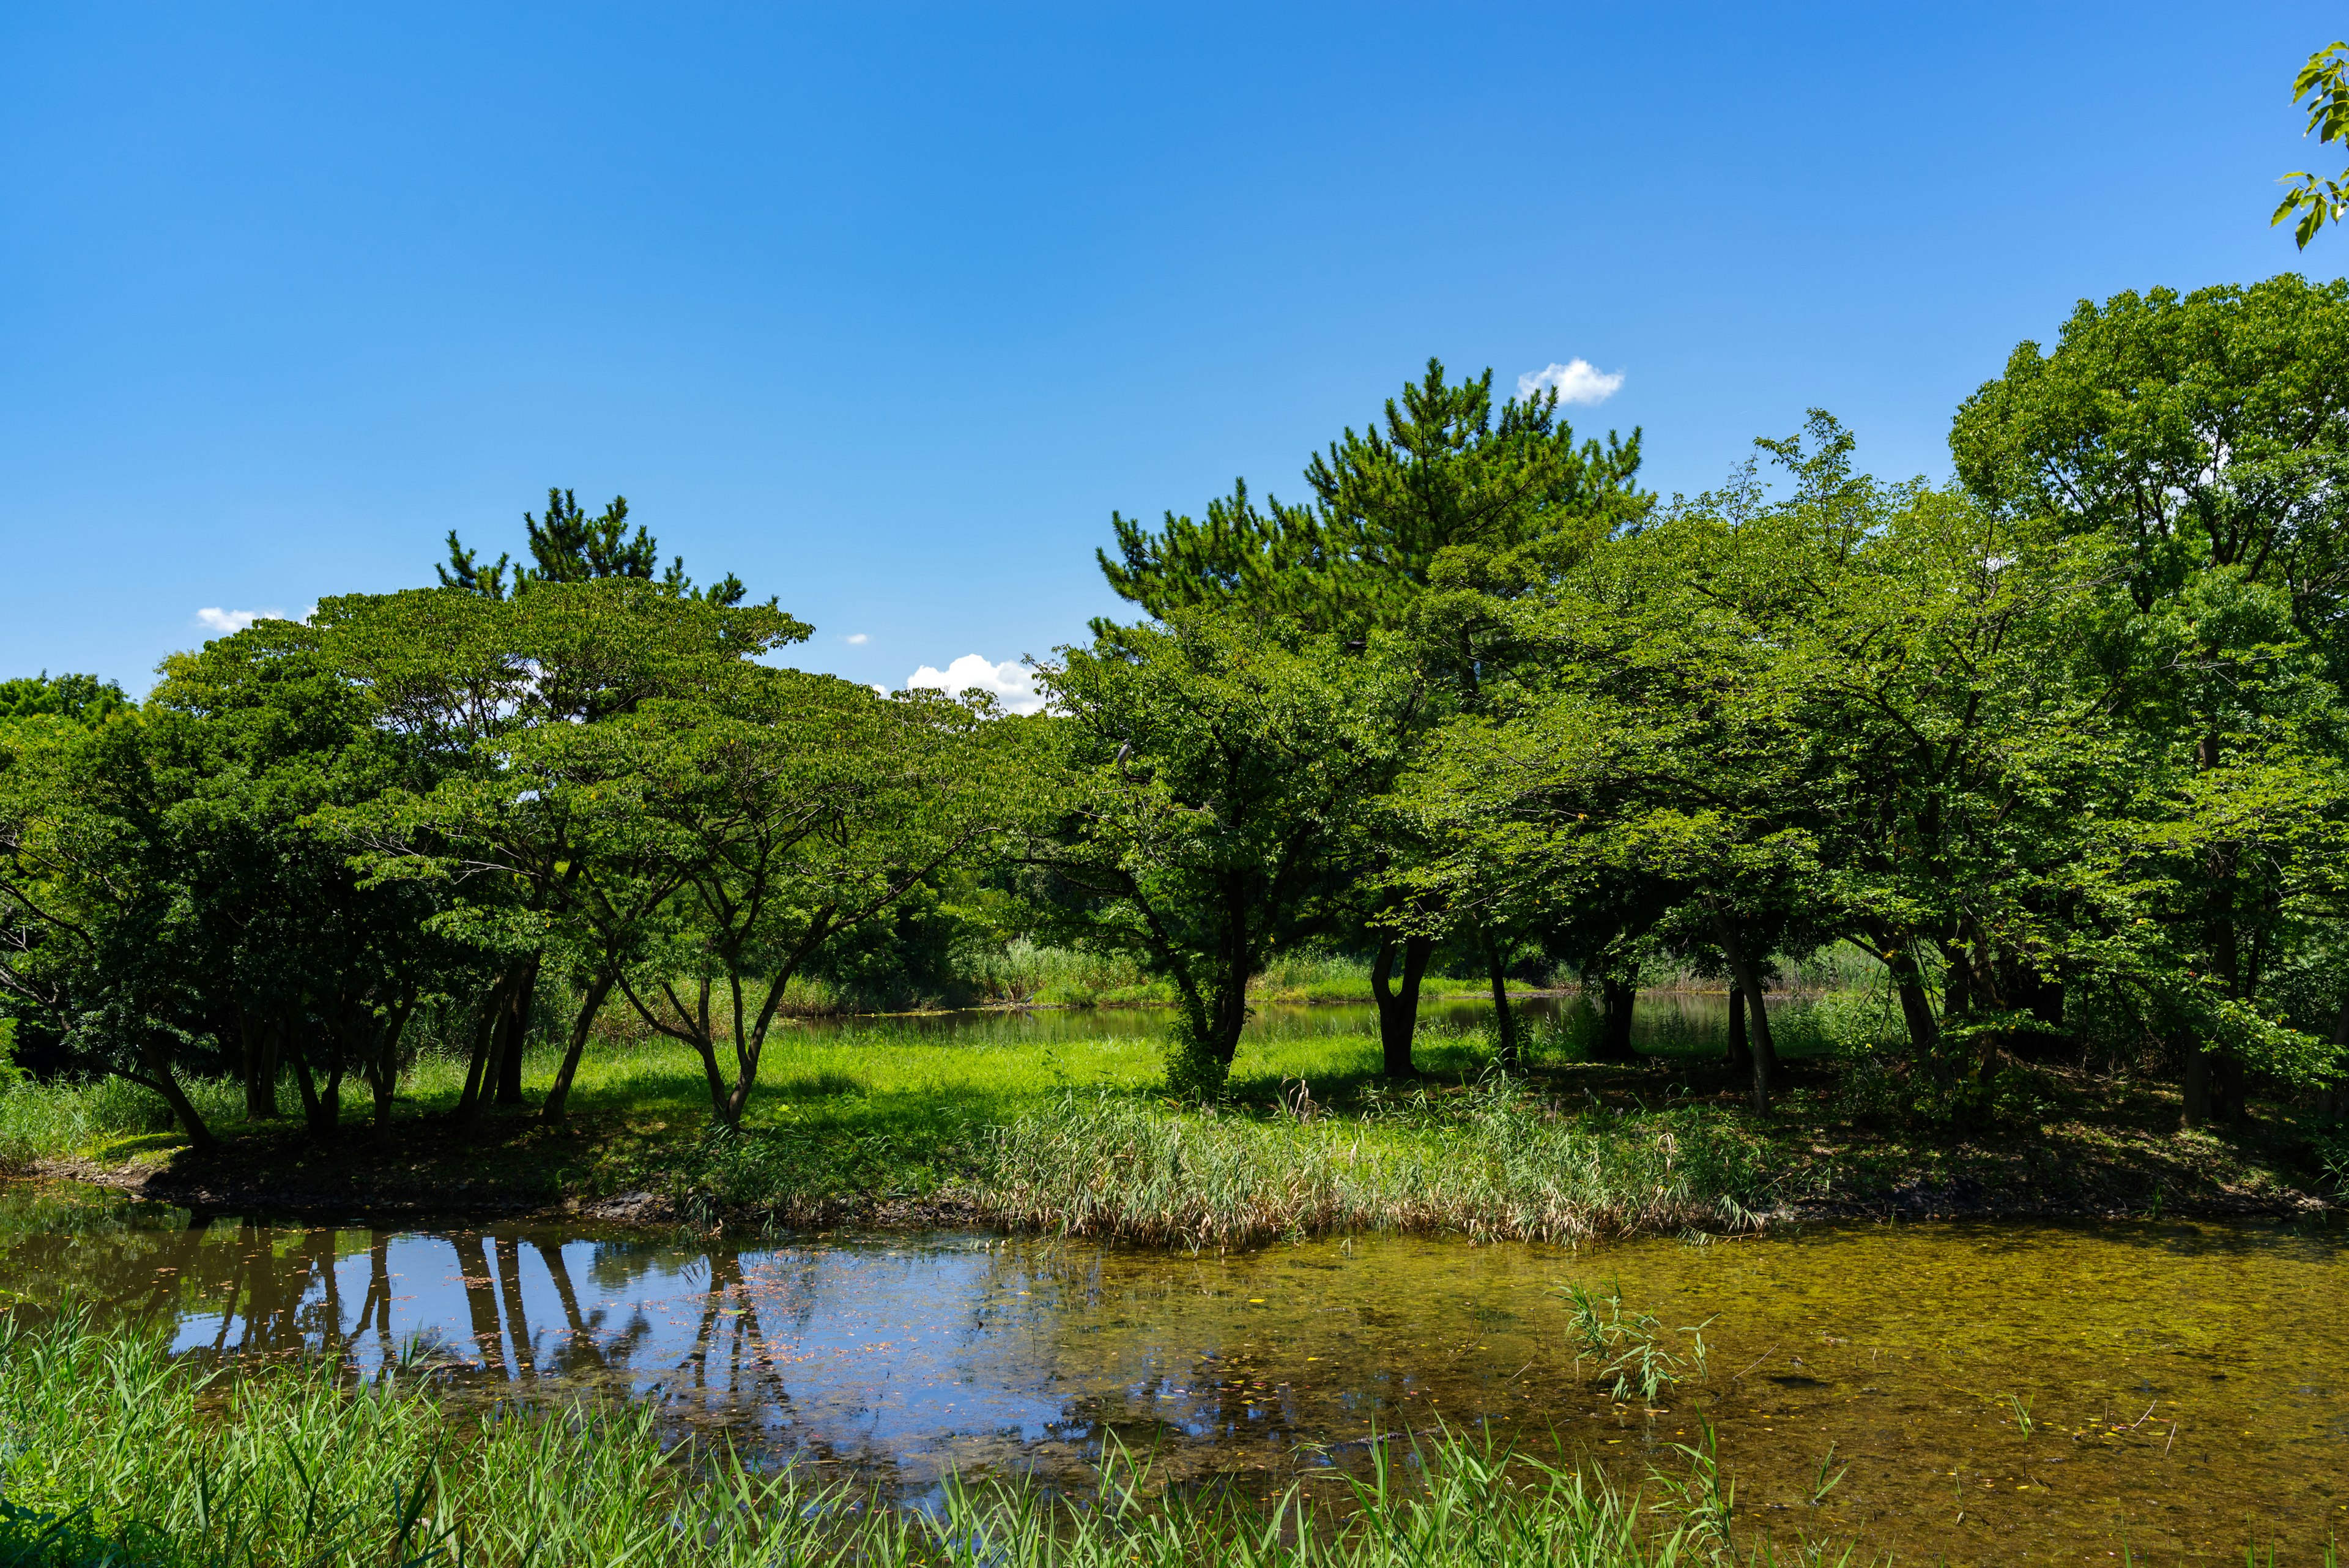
{"x":2185,"y":1380}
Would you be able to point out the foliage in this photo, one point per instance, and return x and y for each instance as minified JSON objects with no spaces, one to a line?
{"x":570,"y":546}
{"x":1218,"y":772}
{"x":2324,"y":82}
{"x":85,"y":699}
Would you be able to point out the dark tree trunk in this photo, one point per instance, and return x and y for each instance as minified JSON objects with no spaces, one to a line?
{"x":2213,"y":1091}
{"x":258,"y":1033}
{"x":483,"y":1065}
{"x":157,"y":1059}
{"x":1616,"y":998}
{"x":1399,"y":1010}
{"x":514,"y":1031}
{"x":1763,"y":1050}
{"x":322,"y":1106}
{"x":1741,"y":1054}
{"x":1916,"y":1004}
{"x":558,"y":1093}
{"x":1505,"y":1022}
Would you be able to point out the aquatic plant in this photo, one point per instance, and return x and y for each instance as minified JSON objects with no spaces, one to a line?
{"x":1821,"y":1483}
{"x":1629,"y":1351}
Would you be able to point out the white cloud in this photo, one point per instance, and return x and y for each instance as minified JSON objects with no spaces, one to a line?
{"x":1577,"y":380}
{"x":225,"y":621}
{"x":858,"y":639}
{"x":1010,"y":681}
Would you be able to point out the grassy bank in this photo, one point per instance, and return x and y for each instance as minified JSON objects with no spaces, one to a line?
{"x":892,"y":1124}
{"x":110,"y":1453}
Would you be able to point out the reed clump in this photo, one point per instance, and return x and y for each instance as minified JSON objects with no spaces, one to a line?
{"x":1490,"y":1162}
{"x":113,"y":1453}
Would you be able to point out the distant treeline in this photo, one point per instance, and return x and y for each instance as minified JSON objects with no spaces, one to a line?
{"x":2061,"y":745}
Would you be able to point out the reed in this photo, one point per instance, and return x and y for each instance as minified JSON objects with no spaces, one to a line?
{"x":113,"y":1453}
{"x":1629,"y":1351}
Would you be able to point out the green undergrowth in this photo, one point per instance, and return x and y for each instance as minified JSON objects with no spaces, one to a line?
{"x":113,"y":1453}
{"x":1036,"y":1127}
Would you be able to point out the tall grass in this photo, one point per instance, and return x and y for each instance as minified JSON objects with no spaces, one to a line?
{"x":1488,"y":1161}
{"x":58,"y":1117}
{"x":113,"y":1453}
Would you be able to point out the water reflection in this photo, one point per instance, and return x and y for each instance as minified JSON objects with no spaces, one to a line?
{"x":2185,"y":1379}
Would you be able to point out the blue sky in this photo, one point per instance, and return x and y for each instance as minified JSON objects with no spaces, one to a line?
{"x":885,"y":308}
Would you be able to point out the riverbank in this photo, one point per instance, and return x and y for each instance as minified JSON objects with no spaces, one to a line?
{"x":892,"y":1127}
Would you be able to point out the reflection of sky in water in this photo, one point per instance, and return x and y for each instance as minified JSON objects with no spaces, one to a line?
{"x":857,"y":1349}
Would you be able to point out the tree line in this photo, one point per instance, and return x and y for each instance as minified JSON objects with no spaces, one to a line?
{"x":2060,"y":742}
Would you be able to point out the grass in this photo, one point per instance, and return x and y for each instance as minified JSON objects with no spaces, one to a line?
{"x":1059,"y":1122}
{"x":110,"y":1452}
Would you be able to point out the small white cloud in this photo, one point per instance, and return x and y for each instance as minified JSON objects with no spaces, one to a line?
{"x":1010,"y":681}
{"x":1577,"y":380}
{"x":225,"y":621}
{"x":858,"y":639}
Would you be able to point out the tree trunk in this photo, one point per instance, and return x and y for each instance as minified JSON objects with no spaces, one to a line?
{"x":382,"y":1057}
{"x":559,"y":1093}
{"x":2199,"y":1106}
{"x":1505,"y":1022}
{"x":258,"y":1035}
{"x":1399,"y":1011}
{"x":480,"y":1068}
{"x":1763,"y":1050}
{"x":2333,"y":1101}
{"x":1916,"y":1004}
{"x":1616,"y":998}
{"x":515,"y":1030}
{"x":322,"y":1108}
{"x":1741,"y":1054}
{"x":158,"y":1061}
{"x":2213,"y":1091}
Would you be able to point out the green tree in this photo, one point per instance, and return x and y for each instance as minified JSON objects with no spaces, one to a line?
{"x":318,"y":972}
{"x":2209,"y":435}
{"x":802,"y":808}
{"x":82,"y":698}
{"x":95,"y":942}
{"x":1442,"y":490}
{"x":1222,"y":772}
{"x":538,"y":822}
{"x":1443,"y":471}
{"x":568,"y":545}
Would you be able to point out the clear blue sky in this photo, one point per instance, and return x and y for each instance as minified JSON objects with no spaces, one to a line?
{"x":885,"y":308}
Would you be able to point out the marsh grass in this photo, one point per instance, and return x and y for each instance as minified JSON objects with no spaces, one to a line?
{"x":110,"y":1452}
{"x":1489,"y":1161}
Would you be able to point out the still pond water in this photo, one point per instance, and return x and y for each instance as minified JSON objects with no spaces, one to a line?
{"x":2187,"y":1385}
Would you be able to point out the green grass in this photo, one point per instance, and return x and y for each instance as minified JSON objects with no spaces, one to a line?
{"x":111,"y":1453}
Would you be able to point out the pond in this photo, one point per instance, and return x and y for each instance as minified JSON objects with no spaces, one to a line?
{"x":1986,"y":1392}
